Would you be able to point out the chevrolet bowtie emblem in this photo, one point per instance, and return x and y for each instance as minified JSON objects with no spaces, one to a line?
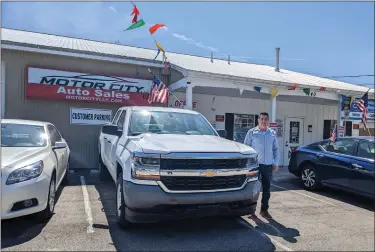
{"x":209,"y":173}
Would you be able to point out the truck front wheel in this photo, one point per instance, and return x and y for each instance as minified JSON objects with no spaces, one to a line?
{"x":120,"y":203}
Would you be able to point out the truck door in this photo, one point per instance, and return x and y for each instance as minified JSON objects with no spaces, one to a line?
{"x":112,"y":142}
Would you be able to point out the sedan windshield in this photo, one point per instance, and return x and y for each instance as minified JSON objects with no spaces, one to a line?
{"x":21,"y":135}
{"x":160,"y":122}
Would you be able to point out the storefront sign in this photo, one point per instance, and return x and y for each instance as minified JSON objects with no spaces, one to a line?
{"x":279,"y":128}
{"x":273,"y":125}
{"x":351,"y":111}
{"x":182,"y":104}
{"x":341,"y":131}
{"x":88,"y":116}
{"x":220,"y":118}
{"x":63,"y":85}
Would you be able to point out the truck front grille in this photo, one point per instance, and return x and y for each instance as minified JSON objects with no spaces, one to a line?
{"x":199,"y":164}
{"x":202,"y":183}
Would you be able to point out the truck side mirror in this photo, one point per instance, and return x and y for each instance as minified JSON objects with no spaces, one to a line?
{"x":111,"y":129}
{"x":222,"y":133}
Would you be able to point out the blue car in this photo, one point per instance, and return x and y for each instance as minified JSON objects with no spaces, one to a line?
{"x":347,"y":163}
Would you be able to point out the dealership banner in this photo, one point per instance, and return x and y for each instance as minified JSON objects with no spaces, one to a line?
{"x":349,"y":107}
{"x":52,"y":84}
{"x":88,"y":116}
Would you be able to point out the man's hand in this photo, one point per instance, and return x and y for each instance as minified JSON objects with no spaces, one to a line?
{"x":275,"y":168}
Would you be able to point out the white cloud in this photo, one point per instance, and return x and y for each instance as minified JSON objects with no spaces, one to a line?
{"x":192,"y":41}
{"x":181,"y":37}
{"x":112,"y":8}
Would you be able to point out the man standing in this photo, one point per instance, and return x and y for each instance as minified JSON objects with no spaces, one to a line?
{"x":264,"y":141}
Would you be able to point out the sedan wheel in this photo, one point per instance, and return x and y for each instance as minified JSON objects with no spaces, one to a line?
{"x":52,"y":194}
{"x":310,"y":178}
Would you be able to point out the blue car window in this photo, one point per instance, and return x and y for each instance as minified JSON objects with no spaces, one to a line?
{"x":366,"y":150}
{"x":342,"y":146}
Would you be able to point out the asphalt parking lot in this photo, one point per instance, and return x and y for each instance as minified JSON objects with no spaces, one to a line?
{"x":85,"y":220}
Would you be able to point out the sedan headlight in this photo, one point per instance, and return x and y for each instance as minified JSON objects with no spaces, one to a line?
{"x":145,"y":167}
{"x":25,"y":173}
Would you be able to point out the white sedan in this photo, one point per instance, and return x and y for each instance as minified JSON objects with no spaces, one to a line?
{"x":34,"y":163}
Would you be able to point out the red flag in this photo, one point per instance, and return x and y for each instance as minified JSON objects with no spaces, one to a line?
{"x":135,"y":19}
{"x":322,"y":89}
{"x":135,"y":13}
{"x":154,"y":28}
{"x":293,"y":87}
{"x":135,"y":10}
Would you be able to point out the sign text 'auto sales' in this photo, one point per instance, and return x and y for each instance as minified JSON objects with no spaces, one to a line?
{"x":63,"y":85}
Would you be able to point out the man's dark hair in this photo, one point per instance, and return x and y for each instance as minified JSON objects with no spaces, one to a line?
{"x":264,"y":114}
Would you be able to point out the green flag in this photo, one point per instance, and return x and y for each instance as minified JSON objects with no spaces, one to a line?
{"x":136,"y":25}
{"x":306,"y":91}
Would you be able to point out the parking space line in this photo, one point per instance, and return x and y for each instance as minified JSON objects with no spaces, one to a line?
{"x":274,"y":241}
{"x":329,"y":203}
{"x":87,"y":206}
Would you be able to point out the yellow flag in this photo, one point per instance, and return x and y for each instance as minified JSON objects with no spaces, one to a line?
{"x":274,"y":92}
{"x":160,"y":47}
{"x":352,"y":98}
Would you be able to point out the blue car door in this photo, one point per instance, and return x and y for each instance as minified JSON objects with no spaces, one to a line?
{"x":362,"y":177}
{"x":335,"y":163}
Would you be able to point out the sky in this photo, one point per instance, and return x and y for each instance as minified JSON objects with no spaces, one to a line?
{"x":318,"y":38}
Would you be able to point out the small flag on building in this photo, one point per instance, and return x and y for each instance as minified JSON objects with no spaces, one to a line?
{"x":274,"y":92}
{"x":257,"y":89}
{"x":363,"y":107}
{"x":154,"y":28}
{"x":306,"y":91}
{"x":135,"y":13}
{"x":138,"y":24}
{"x":334,"y":134}
{"x":322,"y":89}
{"x":159,"y":91}
{"x":293,"y":87}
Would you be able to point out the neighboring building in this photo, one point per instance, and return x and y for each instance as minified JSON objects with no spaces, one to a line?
{"x":41,"y":74}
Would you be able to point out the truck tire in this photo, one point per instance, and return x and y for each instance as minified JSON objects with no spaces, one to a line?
{"x":103,"y":171}
{"x":120,"y":204}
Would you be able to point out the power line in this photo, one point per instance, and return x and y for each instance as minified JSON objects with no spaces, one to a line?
{"x":350,"y":76}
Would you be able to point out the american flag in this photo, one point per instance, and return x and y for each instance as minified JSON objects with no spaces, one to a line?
{"x":363,"y":107}
{"x":334,"y":134}
{"x":159,"y":91}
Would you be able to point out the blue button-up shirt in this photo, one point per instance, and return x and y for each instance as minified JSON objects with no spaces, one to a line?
{"x":265,"y":143}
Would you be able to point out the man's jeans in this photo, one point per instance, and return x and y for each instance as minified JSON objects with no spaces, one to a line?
{"x":266,"y":172}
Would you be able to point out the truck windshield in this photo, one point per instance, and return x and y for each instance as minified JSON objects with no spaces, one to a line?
{"x":162,"y":122}
{"x":21,"y":135}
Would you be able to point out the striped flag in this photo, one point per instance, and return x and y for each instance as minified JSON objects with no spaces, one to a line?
{"x":363,"y":107}
{"x":334,"y":134}
{"x":159,"y":91}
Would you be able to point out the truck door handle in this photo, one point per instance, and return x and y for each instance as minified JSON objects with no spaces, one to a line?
{"x":356,"y":167}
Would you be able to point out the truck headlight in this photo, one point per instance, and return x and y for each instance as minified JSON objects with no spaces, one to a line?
{"x":252,"y":164}
{"x":25,"y":173}
{"x":252,"y":161}
{"x":146,"y":167}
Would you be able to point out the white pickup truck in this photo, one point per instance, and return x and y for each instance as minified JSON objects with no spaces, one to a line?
{"x":171,"y":163}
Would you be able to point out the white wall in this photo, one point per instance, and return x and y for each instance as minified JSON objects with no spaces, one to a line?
{"x":313,"y":114}
{"x":222,"y":104}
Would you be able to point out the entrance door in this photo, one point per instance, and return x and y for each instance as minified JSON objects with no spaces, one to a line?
{"x":293,"y":136}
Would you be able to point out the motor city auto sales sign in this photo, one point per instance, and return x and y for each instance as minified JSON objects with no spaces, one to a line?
{"x":76,"y":86}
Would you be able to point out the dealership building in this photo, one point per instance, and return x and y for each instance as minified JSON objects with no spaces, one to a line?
{"x":78,"y":85}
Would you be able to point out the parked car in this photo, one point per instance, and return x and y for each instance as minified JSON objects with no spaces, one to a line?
{"x":34,"y":162}
{"x":170,"y":163}
{"x":347,"y":163}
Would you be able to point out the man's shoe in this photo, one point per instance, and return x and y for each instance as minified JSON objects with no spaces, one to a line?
{"x":266,"y":215}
